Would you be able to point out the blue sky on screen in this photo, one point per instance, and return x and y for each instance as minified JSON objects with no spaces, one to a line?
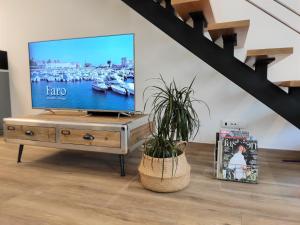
{"x":95,"y":50}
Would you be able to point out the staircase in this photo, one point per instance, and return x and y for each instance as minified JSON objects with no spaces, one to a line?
{"x":172,"y":17}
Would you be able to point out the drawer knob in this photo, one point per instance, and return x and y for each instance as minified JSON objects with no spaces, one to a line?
{"x":88,"y":137}
{"x":65,"y":132}
{"x":11,"y":128}
{"x":29,"y":133}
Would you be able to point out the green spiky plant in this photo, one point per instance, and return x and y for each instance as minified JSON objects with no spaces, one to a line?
{"x":174,"y":117}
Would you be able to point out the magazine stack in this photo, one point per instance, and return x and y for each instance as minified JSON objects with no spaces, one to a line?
{"x":236,"y":156}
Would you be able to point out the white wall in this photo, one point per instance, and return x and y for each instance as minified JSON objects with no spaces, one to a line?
{"x":155,"y":53}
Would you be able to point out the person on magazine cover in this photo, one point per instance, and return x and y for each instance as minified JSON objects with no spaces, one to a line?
{"x":238,"y":163}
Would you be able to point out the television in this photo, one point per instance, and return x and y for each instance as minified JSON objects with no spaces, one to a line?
{"x":91,"y":73}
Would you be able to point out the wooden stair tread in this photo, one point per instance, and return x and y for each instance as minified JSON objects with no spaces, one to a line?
{"x":269,"y":52}
{"x":184,"y":7}
{"x":240,"y":27}
{"x":288,"y":83}
{"x":277,"y":53}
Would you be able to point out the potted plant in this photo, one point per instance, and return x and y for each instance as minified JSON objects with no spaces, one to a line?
{"x":164,"y":167}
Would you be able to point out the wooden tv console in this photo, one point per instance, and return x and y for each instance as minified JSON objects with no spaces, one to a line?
{"x":79,"y":131}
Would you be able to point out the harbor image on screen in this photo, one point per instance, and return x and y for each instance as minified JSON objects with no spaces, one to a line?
{"x":95,"y":73}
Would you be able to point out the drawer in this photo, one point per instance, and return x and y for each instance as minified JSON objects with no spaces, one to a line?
{"x":111,"y":139}
{"x":33,"y":133}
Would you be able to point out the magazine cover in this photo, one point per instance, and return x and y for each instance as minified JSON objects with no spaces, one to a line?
{"x":215,"y":160}
{"x":219,"y":161}
{"x":233,"y":133}
{"x":239,"y":160}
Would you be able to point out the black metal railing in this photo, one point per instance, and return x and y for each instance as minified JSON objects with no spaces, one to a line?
{"x":274,"y":16}
{"x":287,"y":7}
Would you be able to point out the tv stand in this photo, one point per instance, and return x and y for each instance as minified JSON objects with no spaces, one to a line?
{"x":50,"y":110}
{"x":124,"y":114}
{"x":75,"y":130}
{"x":116,"y":114}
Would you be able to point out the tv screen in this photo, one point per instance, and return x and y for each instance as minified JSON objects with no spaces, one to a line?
{"x":94,"y":73}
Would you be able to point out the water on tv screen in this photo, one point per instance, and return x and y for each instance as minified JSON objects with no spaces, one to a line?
{"x":95,"y":73}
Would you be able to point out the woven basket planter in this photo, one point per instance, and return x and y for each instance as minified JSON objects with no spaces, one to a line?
{"x":151,"y":173}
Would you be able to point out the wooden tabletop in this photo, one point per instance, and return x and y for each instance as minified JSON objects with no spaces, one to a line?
{"x":73,"y":116}
{"x":184,"y":7}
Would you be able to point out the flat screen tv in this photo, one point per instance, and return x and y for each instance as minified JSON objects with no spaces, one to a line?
{"x":92,"y":73}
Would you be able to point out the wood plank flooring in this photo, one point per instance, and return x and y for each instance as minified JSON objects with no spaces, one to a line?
{"x":67,"y":187}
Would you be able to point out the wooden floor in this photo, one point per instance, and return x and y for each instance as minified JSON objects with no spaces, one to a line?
{"x":60,"y":187}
